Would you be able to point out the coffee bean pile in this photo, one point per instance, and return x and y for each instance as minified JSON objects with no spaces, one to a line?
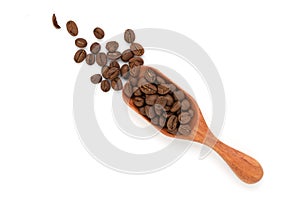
{"x":111,"y":71}
{"x":160,"y":101}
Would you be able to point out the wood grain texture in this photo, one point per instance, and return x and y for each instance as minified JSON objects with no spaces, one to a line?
{"x":245,"y":167}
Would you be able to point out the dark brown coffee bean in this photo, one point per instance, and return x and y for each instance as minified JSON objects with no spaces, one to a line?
{"x":96,"y":78}
{"x":113,"y":73}
{"x":163,"y":89}
{"x":80,"y":55}
{"x":142,"y":111}
{"x":129,"y":36}
{"x":54,"y":21}
{"x":125,"y":71}
{"x":104,"y":71}
{"x":137,"y":91}
{"x":80,"y":42}
{"x":127,"y":55}
{"x":184,"y":129}
{"x":148,"y":88}
{"x":135,"y":61}
{"x":116,"y":84}
{"x":158,"y":109}
{"x":137,"y":49}
{"x":72,"y":28}
{"x":142,"y":81}
{"x":112,"y":46}
{"x":150,"y":75}
{"x":155,"y":120}
{"x":170,"y":100}
{"x":138,"y":101}
{"x":127,"y":89}
{"x":114,"y":55}
{"x":172,"y":123}
{"x":90,"y":59}
{"x":185,"y":105}
{"x":95,"y":48}
{"x":179,"y":95}
{"x":99,"y":33}
{"x":115,"y":64}
{"x":101,"y":59}
{"x":176,"y":106}
{"x":133,"y":81}
{"x":184,"y":118}
{"x":150,"y":111}
{"x":151,"y":99}
{"x":191,"y":112}
{"x":161,"y":101}
{"x":160,"y":80}
{"x":105,"y":86}
{"x":135,"y":71}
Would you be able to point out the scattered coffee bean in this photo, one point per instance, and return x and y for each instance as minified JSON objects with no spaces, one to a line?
{"x":185,"y":105}
{"x":128,"y":90}
{"x":80,"y":55}
{"x":136,"y":61}
{"x":184,"y":129}
{"x":150,"y":76}
{"x":129,"y":36}
{"x":96,"y":78}
{"x":116,"y":84}
{"x":114,"y":55}
{"x":112,"y":73}
{"x":72,"y":28}
{"x":115,"y":64}
{"x":95,"y":48}
{"x":112,"y":46}
{"x":137,"y":49}
{"x":148,"y":88}
{"x":127,"y":55}
{"x":105,"y":86}
{"x":151,"y":99}
{"x":125,"y":71}
{"x":99,"y":33}
{"x":54,"y":21}
{"x":101,"y":59}
{"x":90,"y":59}
{"x":163,"y":89}
{"x":104,"y":71}
{"x":138,"y":101}
{"x":172,"y":123}
{"x":80,"y":42}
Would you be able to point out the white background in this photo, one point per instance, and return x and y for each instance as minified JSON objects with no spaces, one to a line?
{"x":255,"y":46}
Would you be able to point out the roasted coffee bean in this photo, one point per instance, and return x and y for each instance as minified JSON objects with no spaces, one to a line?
{"x":95,"y":48}
{"x":161,"y":100}
{"x":172,"y":123}
{"x":101,"y":59}
{"x":162,"y":121}
{"x":125,"y":71}
{"x":105,"y":86}
{"x":167,"y":108}
{"x":184,"y":118}
{"x":127,"y":55}
{"x":90,"y":59}
{"x":114,"y":63}
{"x":129,"y":36}
{"x":116,"y":84}
{"x":158,"y":109}
{"x":155,"y":121}
{"x":191,"y":112}
{"x":142,"y":81}
{"x":112,"y":46}
{"x":104,"y":71}
{"x":113,"y":73}
{"x":150,"y":75}
{"x":80,"y":55}
{"x":133,"y":81}
{"x":151,"y":99}
{"x":127,"y":89}
{"x":138,"y":101}
{"x":135,"y":61}
{"x":96,"y":78}
{"x":185,"y":105}
{"x":72,"y":28}
{"x":54,"y":21}
{"x":137,"y":49}
{"x":171,"y":86}
{"x":135,"y":71}
{"x":150,"y":111}
{"x":142,"y":110}
{"x":184,"y":129}
{"x":176,"y":106}
{"x":148,"y":88}
{"x":159,"y":80}
{"x":80,"y":42}
{"x":170,"y":100}
{"x":99,"y":33}
{"x":137,"y":91}
{"x":163,"y":89}
{"x":114,"y":55}
{"x":179,"y":95}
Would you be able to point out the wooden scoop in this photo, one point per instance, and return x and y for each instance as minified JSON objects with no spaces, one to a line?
{"x":245,"y":167}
